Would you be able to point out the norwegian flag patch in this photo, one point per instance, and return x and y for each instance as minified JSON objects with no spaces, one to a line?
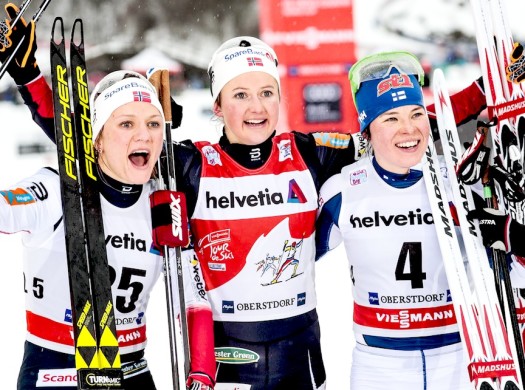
{"x":254,"y":61}
{"x":141,"y":96}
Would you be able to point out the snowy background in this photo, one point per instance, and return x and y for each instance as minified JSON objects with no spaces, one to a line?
{"x":425,"y":28}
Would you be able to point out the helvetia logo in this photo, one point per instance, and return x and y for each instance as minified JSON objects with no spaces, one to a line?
{"x":295,"y":194}
{"x":128,"y":241}
{"x":376,"y":220}
{"x":261,"y":198}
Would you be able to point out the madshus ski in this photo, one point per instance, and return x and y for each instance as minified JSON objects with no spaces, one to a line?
{"x":465,"y":306}
{"x":506,"y":108}
{"x":505,"y":102}
{"x":97,"y":356}
{"x":501,"y":346}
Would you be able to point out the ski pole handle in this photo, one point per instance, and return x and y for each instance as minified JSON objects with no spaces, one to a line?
{"x":160,"y":79}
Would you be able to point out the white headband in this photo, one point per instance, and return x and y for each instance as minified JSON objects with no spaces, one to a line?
{"x":125,"y":91}
{"x":237,"y":56}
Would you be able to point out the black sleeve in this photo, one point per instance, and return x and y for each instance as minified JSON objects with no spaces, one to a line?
{"x":323,"y":161}
{"x":188,"y":166}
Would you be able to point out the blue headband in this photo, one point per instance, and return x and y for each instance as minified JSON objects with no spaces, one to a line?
{"x":375,"y":97}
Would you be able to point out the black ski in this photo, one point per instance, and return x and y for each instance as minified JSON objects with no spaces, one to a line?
{"x":97,"y":357}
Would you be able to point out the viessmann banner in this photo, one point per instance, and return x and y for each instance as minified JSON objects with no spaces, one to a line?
{"x":314,"y":40}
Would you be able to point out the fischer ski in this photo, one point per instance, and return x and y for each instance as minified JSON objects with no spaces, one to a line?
{"x":501,"y":350}
{"x":97,"y":356}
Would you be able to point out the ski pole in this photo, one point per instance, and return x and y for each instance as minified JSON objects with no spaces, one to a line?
{"x":162,"y":85}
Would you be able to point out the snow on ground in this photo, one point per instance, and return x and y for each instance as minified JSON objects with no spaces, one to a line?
{"x":333,"y":281}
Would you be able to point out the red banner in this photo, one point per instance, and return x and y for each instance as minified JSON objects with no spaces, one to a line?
{"x":314,"y":41}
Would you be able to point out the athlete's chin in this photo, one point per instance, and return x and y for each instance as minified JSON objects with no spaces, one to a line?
{"x":257,"y":137}
{"x":140,"y":177}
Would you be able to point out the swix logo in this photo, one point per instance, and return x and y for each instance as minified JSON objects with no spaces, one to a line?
{"x":393,"y":82}
{"x":128,"y":241}
{"x":261,"y":198}
{"x":176,"y":216}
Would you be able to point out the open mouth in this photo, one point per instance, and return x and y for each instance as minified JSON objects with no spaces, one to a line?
{"x":139,"y":158}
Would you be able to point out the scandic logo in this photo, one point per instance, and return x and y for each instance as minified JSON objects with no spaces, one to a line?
{"x":411,"y":218}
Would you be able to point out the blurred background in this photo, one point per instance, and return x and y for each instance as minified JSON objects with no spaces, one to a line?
{"x":316,"y":41}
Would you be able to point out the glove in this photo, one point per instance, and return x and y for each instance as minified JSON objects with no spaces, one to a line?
{"x":474,"y":161}
{"x":511,"y":183}
{"x":494,"y":226}
{"x":169,"y":219}
{"x":23,"y":68}
{"x":516,"y":68}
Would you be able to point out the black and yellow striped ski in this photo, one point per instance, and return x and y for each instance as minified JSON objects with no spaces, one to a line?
{"x":97,"y":356}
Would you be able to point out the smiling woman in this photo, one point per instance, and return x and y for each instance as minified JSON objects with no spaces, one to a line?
{"x":405,"y":329}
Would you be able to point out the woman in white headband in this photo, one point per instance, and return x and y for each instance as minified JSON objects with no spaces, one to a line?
{"x":128,"y":129}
